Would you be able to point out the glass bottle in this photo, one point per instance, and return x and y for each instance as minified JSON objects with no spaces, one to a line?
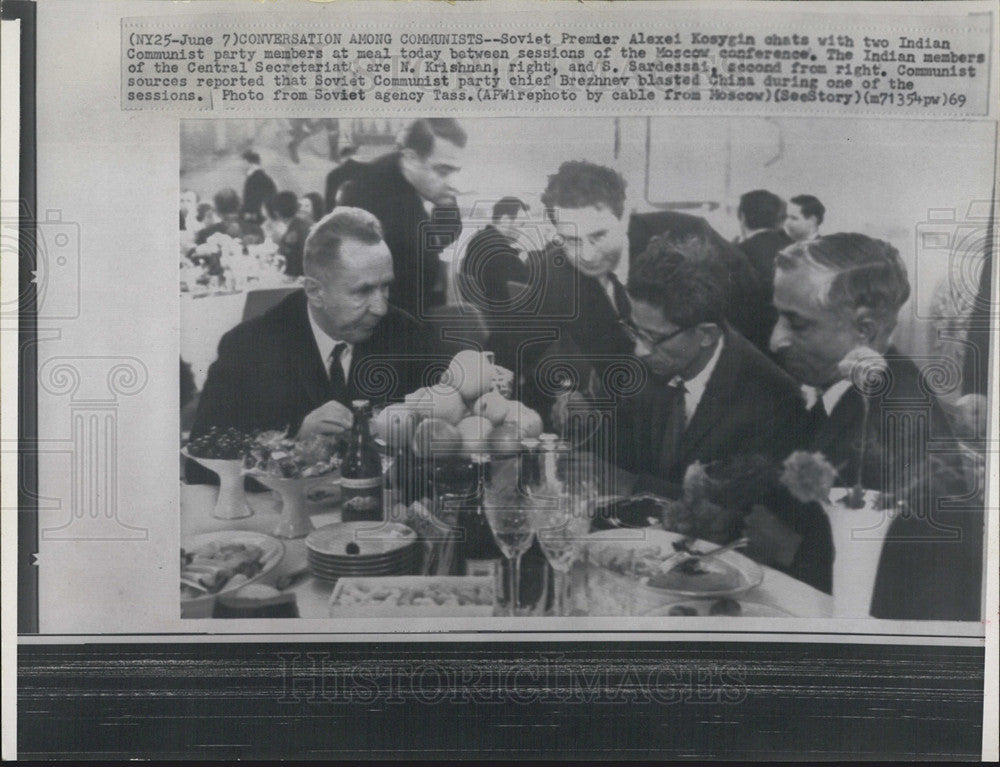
{"x":361,"y":471}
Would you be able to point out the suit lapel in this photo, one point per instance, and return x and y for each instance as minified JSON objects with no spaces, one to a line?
{"x":304,"y":357}
{"x":717,"y":399}
{"x":839,"y":436}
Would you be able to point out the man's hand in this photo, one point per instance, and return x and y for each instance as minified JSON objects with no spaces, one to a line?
{"x":772,"y":542}
{"x":329,"y":419}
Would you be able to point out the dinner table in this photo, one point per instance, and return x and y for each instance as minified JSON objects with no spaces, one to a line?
{"x":788,"y":596}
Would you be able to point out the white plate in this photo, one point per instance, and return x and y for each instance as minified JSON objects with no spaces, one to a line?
{"x":704,"y":606}
{"x":645,"y":548}
{"x":373,"y":539}
{"x":274,"y":550}
{"x":360,"y":597}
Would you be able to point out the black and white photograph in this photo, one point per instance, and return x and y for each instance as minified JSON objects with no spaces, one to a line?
{"x":670,"y":367}
{"x":499,"y":380}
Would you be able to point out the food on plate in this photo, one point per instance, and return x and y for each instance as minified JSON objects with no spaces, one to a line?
{"x":725,"y":607}
{"x":694,"y":574}
{"x":437,"y":594}
{"x":274,"y":454}
{"x":218,"y":565}
{"x":220,"y":444}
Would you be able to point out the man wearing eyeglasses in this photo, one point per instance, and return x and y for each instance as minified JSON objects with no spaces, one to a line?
{"x":729,"y":397}
{"x":710,"y":396}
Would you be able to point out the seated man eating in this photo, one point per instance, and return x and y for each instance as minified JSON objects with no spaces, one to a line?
{"x":299,"y":365}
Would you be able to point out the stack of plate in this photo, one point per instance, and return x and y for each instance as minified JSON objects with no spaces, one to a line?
{"x":362,"y":550}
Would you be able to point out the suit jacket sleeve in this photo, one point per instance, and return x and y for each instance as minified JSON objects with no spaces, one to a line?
{"x":225,"y":400}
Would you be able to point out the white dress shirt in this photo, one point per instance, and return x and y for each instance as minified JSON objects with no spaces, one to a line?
{"x":326,"y":345}
{"x":831,"y":395}
{"x":695,"y":388}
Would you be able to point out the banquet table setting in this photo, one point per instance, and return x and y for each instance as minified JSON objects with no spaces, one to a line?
{"x":386,"y":569}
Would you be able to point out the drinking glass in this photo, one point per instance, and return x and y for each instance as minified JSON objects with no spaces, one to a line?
{"x":560,"y":533}
{"x":562,"y":492}
{"x":510,"y":520}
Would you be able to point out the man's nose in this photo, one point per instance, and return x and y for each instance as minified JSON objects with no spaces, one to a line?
{"x":779,"y":337}
{"x":642,"y":348}
{"x":379,"y":304}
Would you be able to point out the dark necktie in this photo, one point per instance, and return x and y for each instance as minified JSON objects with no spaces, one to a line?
{"x":338,"y":384}
{"x":622,"y":305}
{"x":818,"y":417}
{"x":675,"y":419}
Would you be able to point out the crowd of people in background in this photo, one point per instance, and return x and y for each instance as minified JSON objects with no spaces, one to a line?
{"x":740,"y":344}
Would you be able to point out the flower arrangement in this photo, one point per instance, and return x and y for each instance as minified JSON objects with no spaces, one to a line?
{"x":716,"y":497}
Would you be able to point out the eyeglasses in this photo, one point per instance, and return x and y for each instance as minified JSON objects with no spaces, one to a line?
{"x":651,"y":340}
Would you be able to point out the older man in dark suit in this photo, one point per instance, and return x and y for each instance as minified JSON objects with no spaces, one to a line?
{"x":299,"y":365}
{"x":412,"y":193}
{"x":838,"y":298}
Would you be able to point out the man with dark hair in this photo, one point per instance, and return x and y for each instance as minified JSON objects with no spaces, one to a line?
{"x":258,"y":187}
{"x":587,"y":204}
{"x":805,"y":214}
{"x":287,"y":229}
{"x":412,"y":193}
{"x":838,"y":297}
{"x":299,"y":365}
{"x":494,"y":257}
{"x":710,"y":395}
{"x":761,"y":214}
{"x":735,"y":400}
{"x":347,"y":169}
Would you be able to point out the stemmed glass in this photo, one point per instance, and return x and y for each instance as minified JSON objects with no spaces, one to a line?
{"x":510,"y":520}
{"x":562,"y":495}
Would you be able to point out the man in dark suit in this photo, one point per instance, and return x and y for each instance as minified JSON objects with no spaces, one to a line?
{"x":258,"y":187}
{"x":837,"y":296}
{"x":411,"y":191}
{"x":346,"y":170}
{"x":761,"y":214}
{"x":299,"y":365}
{"x":288,"y":229}
{"x":493,"y":259}
{"x":709,"y":396}
{"x":581,"y":302}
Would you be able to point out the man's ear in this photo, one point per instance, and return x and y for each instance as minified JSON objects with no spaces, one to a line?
{"x":312,"y":288}
{"x":866,"y":326}
{"x":409,"y":156}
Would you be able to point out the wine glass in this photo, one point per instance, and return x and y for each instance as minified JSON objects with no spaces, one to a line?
{"x":560,"y":533}
{"x":562,"y":493}
{"x":510,"y":521}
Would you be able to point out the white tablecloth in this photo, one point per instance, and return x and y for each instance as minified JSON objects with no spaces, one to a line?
{"x":777,"y":589}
